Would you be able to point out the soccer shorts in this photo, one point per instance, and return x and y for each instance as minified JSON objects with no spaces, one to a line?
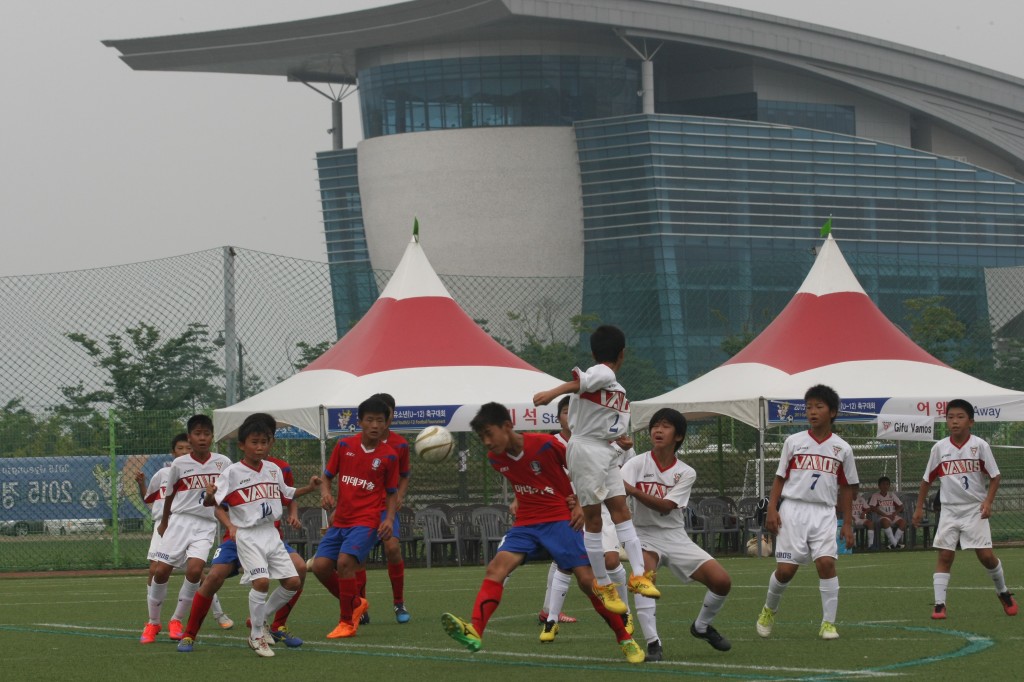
{"x":808,"y":532}
{"x":227,"y":554}
{"x":675,"y":550}
{"x":187,"y":537}
{"x":356,"y":541}
{"x":262,"y":554}
{"x":154,"y":546}
{"x":557,"y":539}
{"x":593,"y":470}
{"x":609,"y":538}
{"x":963,"y":523}
{"x":395,"y":529}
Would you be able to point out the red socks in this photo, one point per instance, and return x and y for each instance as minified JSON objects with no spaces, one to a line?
{"x":349,"y":594}
{"x":487,"y":600}
{"x":397,"y":574}
{"x":361,"y":583}
{"x":614,"y":620}
{"x":200,"y":607}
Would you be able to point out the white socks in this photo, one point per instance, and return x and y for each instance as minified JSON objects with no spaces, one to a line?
{"x":618,"y":576}
{"x":898,"y":535}
{"x":890,"y":536}
{"x":218,"y":610}
{"x":712,"y":605}
{"x":997,"y":577}
{"x":277,"y":599}
{"x":631,"y":543}
{"x":552,"y":569}
{"x":257,"y":612}
{"x":595,"y":552}
{"x":185,"y":595}
{"x":829,"y":588}
{"x":155,"y":596}
{"x":559,"y":588}
{"x":940,"y":581}
{"x":775,"y":590}
{"x":871,"y":538}
{"x":645,"y":609}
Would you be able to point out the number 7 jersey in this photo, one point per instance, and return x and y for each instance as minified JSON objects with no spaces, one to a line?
{"x":814,"y":470}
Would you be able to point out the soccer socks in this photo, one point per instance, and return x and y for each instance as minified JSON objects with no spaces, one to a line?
{"x":559,"y":587}
{"x":898,"y":535}
{"x":775,"y":591}
{"x":349,"y":593}
{"x":595,"y":552}
{"x":829,"y":588}
{"x":997,"y":577}
{"x":257,"y":612}
{"x":889,"y":536}
{"x":871,"y":538}
{"x":645,"y":610}
{"x":487,"y":601}
{"x":333,"y":586}
{"x":552,"y":570}
{"x":631,"y":543}
{"x":708,"y":610}
{"x":940,"y":582}
{"x":200,"y":607}
{"x":281,"y":616}
{"x":217,"y":609}
{"x":618,"y":576}
{"x":613,"y":619}
{"x":155,"y":597}
{"x":279,"y":598}
{"x":397,"y":574}
{"x":185,"y":595}
{"x":361,"y":583}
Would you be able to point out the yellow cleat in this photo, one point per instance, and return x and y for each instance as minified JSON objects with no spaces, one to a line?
{"x":633,"y":652}
{"x":765,"y":622}
{"x":461,"y":631}
{"x":828,"y":631}
{"x":609,"y":596}
{"x":643,"y":584}
{"x":550,"y":630}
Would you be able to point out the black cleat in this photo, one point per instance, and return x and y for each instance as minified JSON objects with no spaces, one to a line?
{"x":654,"y":652}
{"x":365,"y":618}
{"x":712,"y":637}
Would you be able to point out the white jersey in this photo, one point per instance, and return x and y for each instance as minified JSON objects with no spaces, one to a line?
{"x":963,"y":470}
{"x":157,"y":491}
{"x":188,"y":477}
{"x":600,"y":410}
{"x":623,"y":456}
{"x":253,"y":497}
{"x":887,"y":504}
{"x":814,"y":471}
{"x":673,"y":483}
{"x":561,"y":439}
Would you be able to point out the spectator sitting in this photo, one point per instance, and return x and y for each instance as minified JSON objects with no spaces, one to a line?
{"x":886,"y":504}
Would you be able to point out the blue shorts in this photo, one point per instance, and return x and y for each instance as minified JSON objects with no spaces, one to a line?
{"x":356,"y":541}
{"x":227,"y":553}
{"x":556,"y":539}
{"x":396,"y":528}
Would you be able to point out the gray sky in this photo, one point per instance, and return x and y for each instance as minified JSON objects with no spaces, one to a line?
{"x":102,"y":165}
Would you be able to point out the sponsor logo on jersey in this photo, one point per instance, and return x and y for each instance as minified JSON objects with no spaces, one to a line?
{"x":375,"y":464}
{"x":358,"y":482}
{"x":530,"y":490}
{"x":196,"y":482}
{"x":655,"y":489}
{"x":613,"y":400}
{"x":502,"y":470}
{"x":960,"y":466}
{"x":815,"y":463}
{"x":259,"y":491}
{"x":535,"y":467}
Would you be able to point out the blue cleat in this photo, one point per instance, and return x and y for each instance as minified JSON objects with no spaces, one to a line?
{"x":285,"y":635}
{"x":186,"y":645}
{"x":401,"y":615}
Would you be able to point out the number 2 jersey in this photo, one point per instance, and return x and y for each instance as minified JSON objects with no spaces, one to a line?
{"x":253,"y":496}
{"x":600,"y":410}
{"x":365,"y":477}
{"x":538,"y":477}
{"x":963,"y":469}
{"x":815,"y":470}
{"x":188,"y":477}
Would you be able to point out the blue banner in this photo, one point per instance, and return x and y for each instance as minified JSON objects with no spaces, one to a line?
{"x":56,"y":488}
{"x":344,"y":420}
{"x":292,"y":433}
{"x":795,"y":411}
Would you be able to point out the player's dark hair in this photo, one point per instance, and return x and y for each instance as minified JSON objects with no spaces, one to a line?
{"x":562,"y":403}
{"x":257,"y":425}
{"x":388,"y":400}
{"x":490,"y":414}
{"x":197,"y":420}
{"x":884,"y":478}
{"x":178,"y":439}
{"x":963,"y":405}
{"x":373,"y":405}
{"x":673,"y":417}
{"x":607,"y":342}
{"x":825,"y":394}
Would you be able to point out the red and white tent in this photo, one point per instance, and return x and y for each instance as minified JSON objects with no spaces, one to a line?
{"x":832,"y":333}
{"x":417,"y":344}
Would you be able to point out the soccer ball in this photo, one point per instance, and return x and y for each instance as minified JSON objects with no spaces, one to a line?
{"x":434,"y":444}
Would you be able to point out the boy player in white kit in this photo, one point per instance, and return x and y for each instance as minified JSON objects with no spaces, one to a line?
{"x":598,"y":415}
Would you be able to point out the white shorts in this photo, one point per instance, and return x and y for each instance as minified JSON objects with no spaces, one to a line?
{"x":154,"y":546}
{"x":808,"y":532}
{"x":187,"y":537}
{"x":609,"y":538}
{"x":262,"y":554}
{"x":962,"y":522}
{"x":593,"y":470}
{"x":675,"y":549}
{"x":859,"y":521}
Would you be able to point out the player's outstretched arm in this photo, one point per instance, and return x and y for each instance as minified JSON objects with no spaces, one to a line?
{"x":314,"y":484}
{"x":545,"y":397}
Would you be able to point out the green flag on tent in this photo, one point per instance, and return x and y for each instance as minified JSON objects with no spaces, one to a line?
{"x":826,"y":228}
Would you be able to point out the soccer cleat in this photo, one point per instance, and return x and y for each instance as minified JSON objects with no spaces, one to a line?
{"x":632,"y":651}
{"x":549,"y":632}
{"x":461,"y":631}
{"x":175,"y":630}
{"x":627,"y":623}
{"x":900,"y":545}
{"x":939,"y":613}
{"x":643,"y":584}
{"x":609,"y":596}
{"x":765,"y":622}
{"x":186,"y":645}
{"x":365,"y":618}
{"x":283,"y":634}
{"x":266,"y":634}
{"x":542,"y":618}
{"x":828,"y":631}
{"x":712,"y":637}
{"x":149,"y":633}
{"x":343,"y":629}
{"x":654,"y":651}
{"x":260,"y":647}
{"x":225,"y":622}
{"x":1009,"y":603}
{"x":402,"y":614}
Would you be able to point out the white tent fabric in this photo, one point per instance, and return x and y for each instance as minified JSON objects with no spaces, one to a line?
{"x":832,"y":333}
{"x":417,"y":344}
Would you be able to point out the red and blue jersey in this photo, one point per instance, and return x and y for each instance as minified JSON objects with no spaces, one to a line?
{"x":365,"y":477}
{"x":401,"y":447}
{"x":538,"y":477}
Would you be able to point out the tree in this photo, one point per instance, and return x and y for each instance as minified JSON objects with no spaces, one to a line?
{"x":308,"y":352}
{"x":935,"y":327}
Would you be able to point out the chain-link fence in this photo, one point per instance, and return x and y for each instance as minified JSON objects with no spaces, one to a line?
{"x":101,"y":368}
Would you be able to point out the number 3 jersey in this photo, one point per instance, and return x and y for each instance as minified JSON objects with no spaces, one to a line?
{"x":963,"y":469}
{"x":253,"y":496}
{"x":814,"y":470}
